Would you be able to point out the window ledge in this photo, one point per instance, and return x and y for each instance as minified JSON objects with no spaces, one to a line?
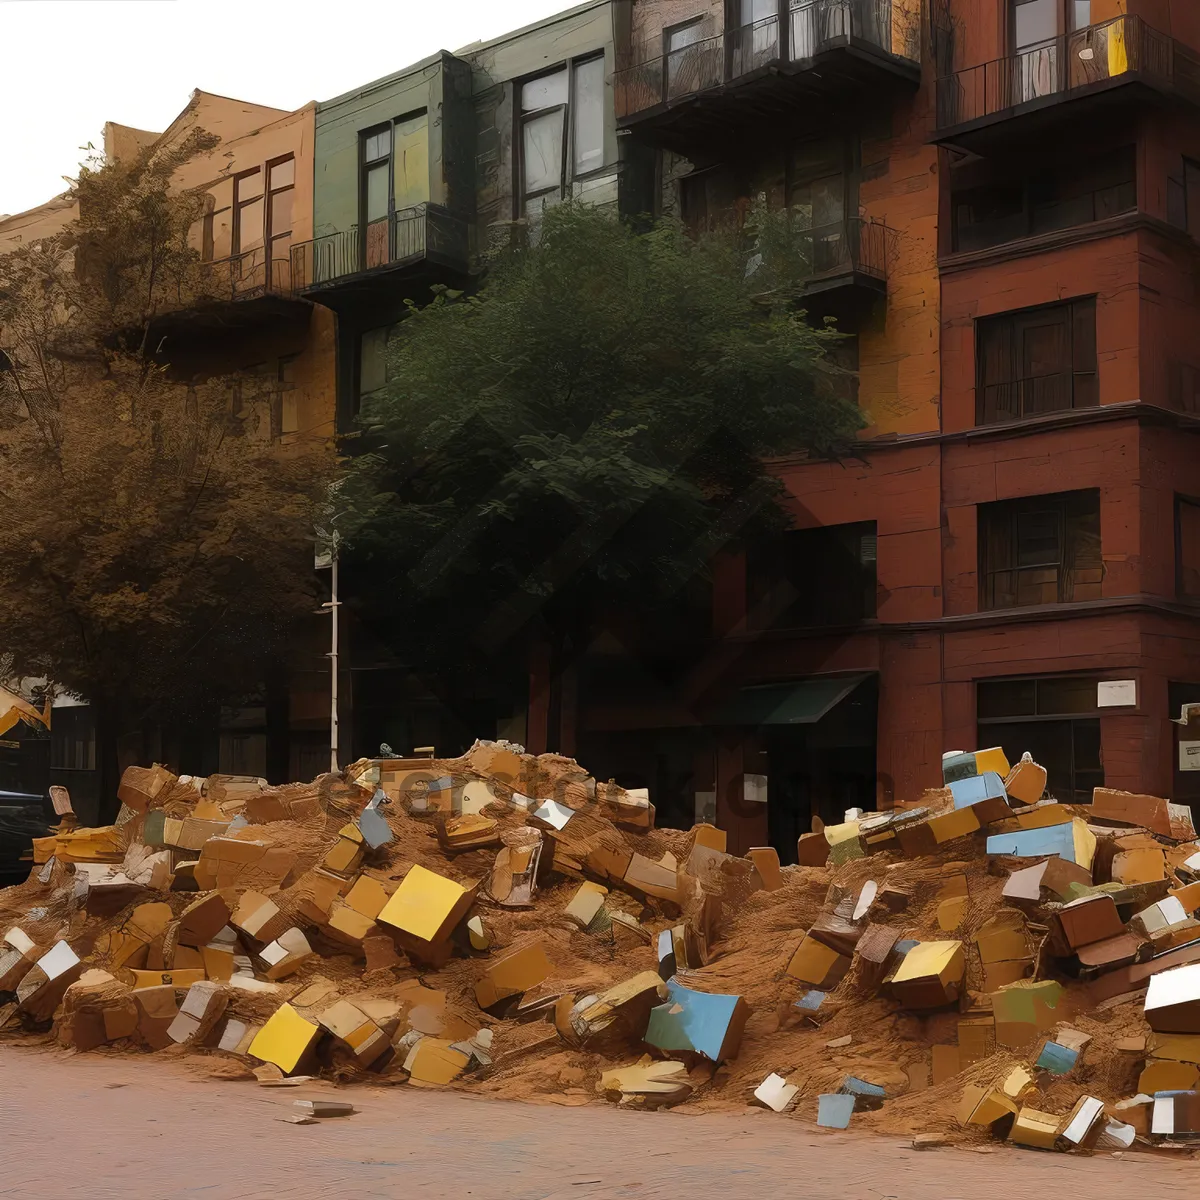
{"x":1129,"y":222}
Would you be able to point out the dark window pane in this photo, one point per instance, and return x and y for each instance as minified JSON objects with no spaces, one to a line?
{"x":813,"y":577}
{"x":1069,"y":750}
{"x":1006,"y":698}
{"x":1065,"y":696}
{"x":1039,"y":539}
{"x":1188,"y":550}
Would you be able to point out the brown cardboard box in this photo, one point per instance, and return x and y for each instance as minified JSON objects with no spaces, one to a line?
{"x":812,"y":850}
{"x":1036,"y":1129}
{"x":1142,"y":865}
{"x":1090,"y":919}
{"x":203,"y":919}
{"x":653,"y":878}
{"x":837,"y":932}
{"x":711,"y":837}
{"x":1026,"y":782}
{"x":1129,"y":808}
{"x":766,"y":860}
{"x":141,"y":786}
{"x":513,"y":974}
{"x":817,"y":964}
{"x":930,"y":975}
{"x":873,"y":953}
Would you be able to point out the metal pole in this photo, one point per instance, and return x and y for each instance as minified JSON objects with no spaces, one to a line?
{"x":333,"y":663}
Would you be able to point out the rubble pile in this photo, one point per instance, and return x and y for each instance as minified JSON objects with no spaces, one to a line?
{"x":983,"y":962}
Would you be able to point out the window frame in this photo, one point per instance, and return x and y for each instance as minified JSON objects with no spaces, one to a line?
{"x":367,"y":164}
{"x":567,"y":173}
{"x":270,"y":235}
{"x":1182,"y":501}
{"x":1019,"y":321}
{"x":236,"y":248}
{"x":1006,"y":515}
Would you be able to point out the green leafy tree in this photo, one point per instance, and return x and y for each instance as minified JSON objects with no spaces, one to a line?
{"x":155,"y":549}
{"x":583,"y":434}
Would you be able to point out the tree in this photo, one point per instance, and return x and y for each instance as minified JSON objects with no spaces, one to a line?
{"x":584,"y":433}
{"x":155,"y":548}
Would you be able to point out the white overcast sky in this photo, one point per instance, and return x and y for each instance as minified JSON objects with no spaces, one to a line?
{"x":67,"y":66}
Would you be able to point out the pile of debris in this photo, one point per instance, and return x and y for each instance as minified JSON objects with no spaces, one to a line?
{"x":981,"y":962}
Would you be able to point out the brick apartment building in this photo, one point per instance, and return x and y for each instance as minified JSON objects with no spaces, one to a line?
{"x":1004,"y":198}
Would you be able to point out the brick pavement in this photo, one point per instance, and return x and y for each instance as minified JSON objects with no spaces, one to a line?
{"x":76,"y":1126}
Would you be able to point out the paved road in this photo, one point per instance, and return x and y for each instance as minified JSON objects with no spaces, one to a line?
{"x":141,"y":1129}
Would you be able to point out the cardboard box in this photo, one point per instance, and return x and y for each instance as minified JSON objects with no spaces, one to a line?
{"x":285,"y":1039}
{"x":1164,"y":1075}
{"x":286,"y":954}
{"x":368,"y":897}
{"x":586,"y":904}
{"x":984,"y":794}
{"x":254,"y":915}
{"x":711,"y":837}
{"x":1026,"y":782}
{"x":427,"y":906}
{"x":817,"y":964}
{"x":766,"y":860}
{"x":874,"y":954}
{"x":41,"y":990}
{"x":1074,"y":842}
{"x":984,"y":1106}
{"x":1173,"y":1000}
{"x":1087,"y":920}
{"x":1144,"y":864}
{"x":930,"y":975}
{"x":812,"y":850}
{"x":1085,"y":1122}
{"x":839,"y":933}
{"x":618,"y":1013}
{"x":203,"y":919}
{"x":1026,"y":1009}
{"x":1129,"y":808}
{"x":513,"y":974}
{"x":1036,"y":1129}
{"x":178,"y":979}
{"x":702,"y":1023}
{"x":140,"y":787}
{"x":648,"y":1082}
{"x":653,"y":878}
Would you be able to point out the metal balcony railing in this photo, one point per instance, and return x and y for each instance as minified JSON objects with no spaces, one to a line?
{"x":409,"y":235}
{"x":246,"y":276}
{"x":853,"y":245}
{"x":808,"y":28}
{"x":1123,"y":48}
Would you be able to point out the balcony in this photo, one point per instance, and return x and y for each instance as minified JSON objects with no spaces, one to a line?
{"x":817,"y":57}
{"x":846,"y":269}
{"x":423,"y":245}
{"x":1078,"y":75}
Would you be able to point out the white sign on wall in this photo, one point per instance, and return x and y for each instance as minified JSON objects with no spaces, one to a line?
{"x":1116,"y":693}
{"x":1189,"y":756}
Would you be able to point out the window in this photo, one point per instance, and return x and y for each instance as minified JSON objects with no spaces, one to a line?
{"x":561,"y":130}
{"x":819,"y":199}
{"x":1040,"y":550}
{"x":780,"y":578}
{"x":372,"y":361}
{"x":1071,"y":194}
{"x":1187,"y":548}
{"x":1191,"y":197}
{"x":1053,"y":718}
{"x":73,"y":739}
{"x":248,"y":213}
{"x":395,"y":180}
{"x":281,"y":187}
{"x":1036,"y":361}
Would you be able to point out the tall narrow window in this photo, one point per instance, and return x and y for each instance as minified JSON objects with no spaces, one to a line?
{"x":543,"y":139}
{"x":690,"y":65}
{"x":588,"y":121}
{"x":288,"y":420}
{"x":248,"y":219}
{"x":561,"y":129}
{"x":376,"y":195}
{"x":1036,"y":361}
{"x":410,"y":155}
{"x":281,"y":185}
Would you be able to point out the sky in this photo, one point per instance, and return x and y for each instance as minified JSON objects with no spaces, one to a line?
{"x":68,"y":66}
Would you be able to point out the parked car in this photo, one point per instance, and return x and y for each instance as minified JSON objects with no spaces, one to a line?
{"x":23,"y":816}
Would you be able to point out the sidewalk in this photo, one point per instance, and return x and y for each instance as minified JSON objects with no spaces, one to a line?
{"x":143,"y":1129}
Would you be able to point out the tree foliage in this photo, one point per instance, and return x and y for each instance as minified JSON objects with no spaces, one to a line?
{"x":589,"y":428}
{"x":154,"y":548}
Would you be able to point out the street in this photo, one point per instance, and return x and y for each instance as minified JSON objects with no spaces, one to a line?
{"x":97,"y":1126}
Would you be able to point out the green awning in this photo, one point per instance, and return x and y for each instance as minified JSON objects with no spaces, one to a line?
{"x":803,"y":702}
